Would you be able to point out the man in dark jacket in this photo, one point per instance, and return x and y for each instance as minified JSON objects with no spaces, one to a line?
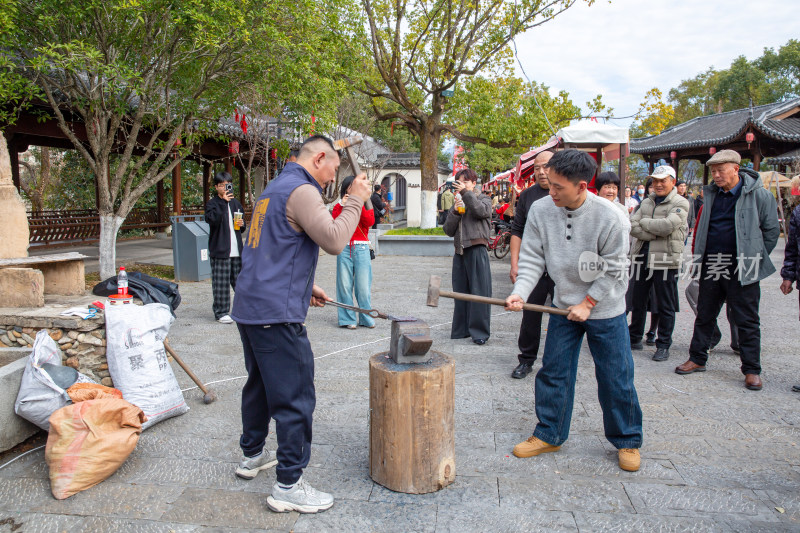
{"x":225,"y":218}
{"x":377,"y":205}
{"x":530,"y":330}
{"x":737,"y":230}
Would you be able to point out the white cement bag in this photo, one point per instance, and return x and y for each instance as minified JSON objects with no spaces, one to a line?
{"x":138,"y":362}
{"x":39,"y":396}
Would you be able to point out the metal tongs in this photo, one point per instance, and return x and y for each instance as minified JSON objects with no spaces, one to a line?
{"x":374,"y":313}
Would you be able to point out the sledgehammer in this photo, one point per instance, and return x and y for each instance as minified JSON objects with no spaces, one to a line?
{"x":434,"y":292}
{"x":209,"y":396}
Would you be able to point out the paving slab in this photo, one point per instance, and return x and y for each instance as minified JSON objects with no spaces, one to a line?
{"x":716,"y":457}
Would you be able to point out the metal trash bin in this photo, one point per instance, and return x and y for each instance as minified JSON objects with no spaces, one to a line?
{"x":190,"y":248}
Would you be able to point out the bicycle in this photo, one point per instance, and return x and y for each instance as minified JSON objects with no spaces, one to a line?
{"x":501,"y":243}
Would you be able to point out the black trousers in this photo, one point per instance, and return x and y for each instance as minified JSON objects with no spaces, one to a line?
{"x":280,"y":386}
{"x":743,"y":302}
{"x":530,"y":331}
{"x":472,"y":275}
{"x":665,"y":286}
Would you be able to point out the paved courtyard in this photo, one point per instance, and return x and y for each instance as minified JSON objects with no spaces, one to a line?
{"x":716,"y":456}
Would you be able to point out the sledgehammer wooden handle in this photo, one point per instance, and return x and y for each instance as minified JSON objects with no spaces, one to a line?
{"x":502,"y":303}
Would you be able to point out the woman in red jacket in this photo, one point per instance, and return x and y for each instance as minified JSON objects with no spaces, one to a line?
{"x":353,"y":267}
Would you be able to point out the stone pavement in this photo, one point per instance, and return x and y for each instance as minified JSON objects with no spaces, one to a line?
{"x":716,"y":456}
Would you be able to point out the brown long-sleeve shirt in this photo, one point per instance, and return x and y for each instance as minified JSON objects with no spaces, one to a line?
{"x":306,"y":212}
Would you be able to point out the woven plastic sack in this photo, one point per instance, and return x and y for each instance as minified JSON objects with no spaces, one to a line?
{"x":39,"y":396}
{"x":89,"y":441}
{"x":138,"y":362}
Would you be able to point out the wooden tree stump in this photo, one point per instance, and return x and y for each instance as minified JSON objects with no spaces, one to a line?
{"x":412,"y":429}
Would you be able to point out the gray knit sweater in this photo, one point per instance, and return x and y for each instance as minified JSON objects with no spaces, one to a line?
{"x":585,"y":252}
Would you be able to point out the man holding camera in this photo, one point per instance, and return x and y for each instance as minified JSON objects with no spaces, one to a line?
{"x":225,"y":218}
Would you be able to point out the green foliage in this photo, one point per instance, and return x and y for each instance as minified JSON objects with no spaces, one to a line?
{"x":653,"y":115}
{"x":770,"y":78}
{"x":420,"y":49}
{"x":416,"y":231}
{"x":505,"y":109}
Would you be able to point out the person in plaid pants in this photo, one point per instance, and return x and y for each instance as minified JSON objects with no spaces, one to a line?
{"x":225,"y":218}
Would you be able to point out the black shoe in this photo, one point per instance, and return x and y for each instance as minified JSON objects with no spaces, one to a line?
{"x":650,"y":339}
{"x":522,"y":370}
{"x":480,"y":342}
{"x":662,"y":354}
{"x":637,"y":345}
{"x":796,"y":388}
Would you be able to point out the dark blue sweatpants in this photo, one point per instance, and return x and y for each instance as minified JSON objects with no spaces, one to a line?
{"x":280,"y":386}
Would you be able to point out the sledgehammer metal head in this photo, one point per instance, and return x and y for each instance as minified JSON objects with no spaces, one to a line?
{"x":433,"y":291}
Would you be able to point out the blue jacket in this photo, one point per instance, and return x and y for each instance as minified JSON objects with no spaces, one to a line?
{"x":278,"y":263}
{"x":791,"y":259}
{"x":756,"y":223}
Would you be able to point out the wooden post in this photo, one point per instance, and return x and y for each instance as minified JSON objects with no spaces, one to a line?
{"x":176,"y":190}
{"x":206,"y":181}
{"x":229,"y":165}
{"x":160,"y":201}
{"x":242,"y":188}
{"x":756,"y":159}
{"x":676,"y":167}
{"x":412,"y":427}
{"x":13,"y":156}
{"x":650,"y":166}
{"x":623,"y":171}
{"x":780,"y":206}
{"x":705,"y":174}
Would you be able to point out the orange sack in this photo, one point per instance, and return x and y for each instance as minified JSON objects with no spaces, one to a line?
{"x":80,"y":392}
{"x":89,"y":441}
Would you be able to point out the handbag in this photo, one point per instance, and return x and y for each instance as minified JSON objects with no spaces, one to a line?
{"x":371,"y":253}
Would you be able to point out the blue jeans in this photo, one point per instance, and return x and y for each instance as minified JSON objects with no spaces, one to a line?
{"x":555,"y":383}
{"x":354,"y":271}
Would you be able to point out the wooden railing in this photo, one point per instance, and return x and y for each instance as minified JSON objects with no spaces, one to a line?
{"x":82,"y":226}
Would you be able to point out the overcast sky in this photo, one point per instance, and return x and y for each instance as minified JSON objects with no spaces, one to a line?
{"x":624,"y":48}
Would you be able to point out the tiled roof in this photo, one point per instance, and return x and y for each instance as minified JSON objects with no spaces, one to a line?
{"x":788,"y":158}
{"x":721,"y":128}
{"x":407,"y":160}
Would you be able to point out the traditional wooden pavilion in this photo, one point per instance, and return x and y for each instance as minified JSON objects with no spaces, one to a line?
{"x":50,"y":228}
{"x":765,"y":131}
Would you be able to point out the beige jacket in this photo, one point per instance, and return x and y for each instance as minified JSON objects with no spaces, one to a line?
{"x":664,"y":226}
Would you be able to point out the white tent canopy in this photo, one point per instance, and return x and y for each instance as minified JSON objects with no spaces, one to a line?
{"x":590,"y":132}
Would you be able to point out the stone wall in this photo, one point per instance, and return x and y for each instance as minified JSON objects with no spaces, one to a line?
{"x":83,"y":350}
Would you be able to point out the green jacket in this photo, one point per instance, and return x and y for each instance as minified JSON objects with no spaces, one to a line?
{"x":664,"y":226}
{"x":757,"y":228}
{"x":448,"y":198}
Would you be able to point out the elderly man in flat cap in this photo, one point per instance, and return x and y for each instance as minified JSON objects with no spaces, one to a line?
{"x":737,"y":230}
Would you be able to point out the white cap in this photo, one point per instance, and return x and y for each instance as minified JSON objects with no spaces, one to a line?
{"x":662,"y":172}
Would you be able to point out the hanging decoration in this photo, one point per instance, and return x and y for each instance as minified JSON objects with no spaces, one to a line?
{"x":233,"y":147}
{"x":243,"y":124}
{"x":313,"y":121}
{"x":236,"y":115}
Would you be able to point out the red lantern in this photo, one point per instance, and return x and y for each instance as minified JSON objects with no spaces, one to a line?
{"x":712,"y":150}
{"x":243,"y":124}
{"x":673,"y":155}
{"x":233,"y":147}
{"x":750,"y":137}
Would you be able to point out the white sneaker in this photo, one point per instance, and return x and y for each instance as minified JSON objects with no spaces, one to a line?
{"x":225,"y":319}
{"x":249,"y":467}
{"x":300,"y":497}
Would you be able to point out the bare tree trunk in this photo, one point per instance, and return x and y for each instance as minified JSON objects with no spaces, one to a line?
{"x":109,"y":227}
{"x":429,"y":163}
{"x":44,"y":180}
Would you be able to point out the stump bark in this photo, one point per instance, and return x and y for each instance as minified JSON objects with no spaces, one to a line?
{"x":412,"y":429}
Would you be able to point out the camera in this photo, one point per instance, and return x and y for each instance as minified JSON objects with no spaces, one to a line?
{"x":229,"y":187}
